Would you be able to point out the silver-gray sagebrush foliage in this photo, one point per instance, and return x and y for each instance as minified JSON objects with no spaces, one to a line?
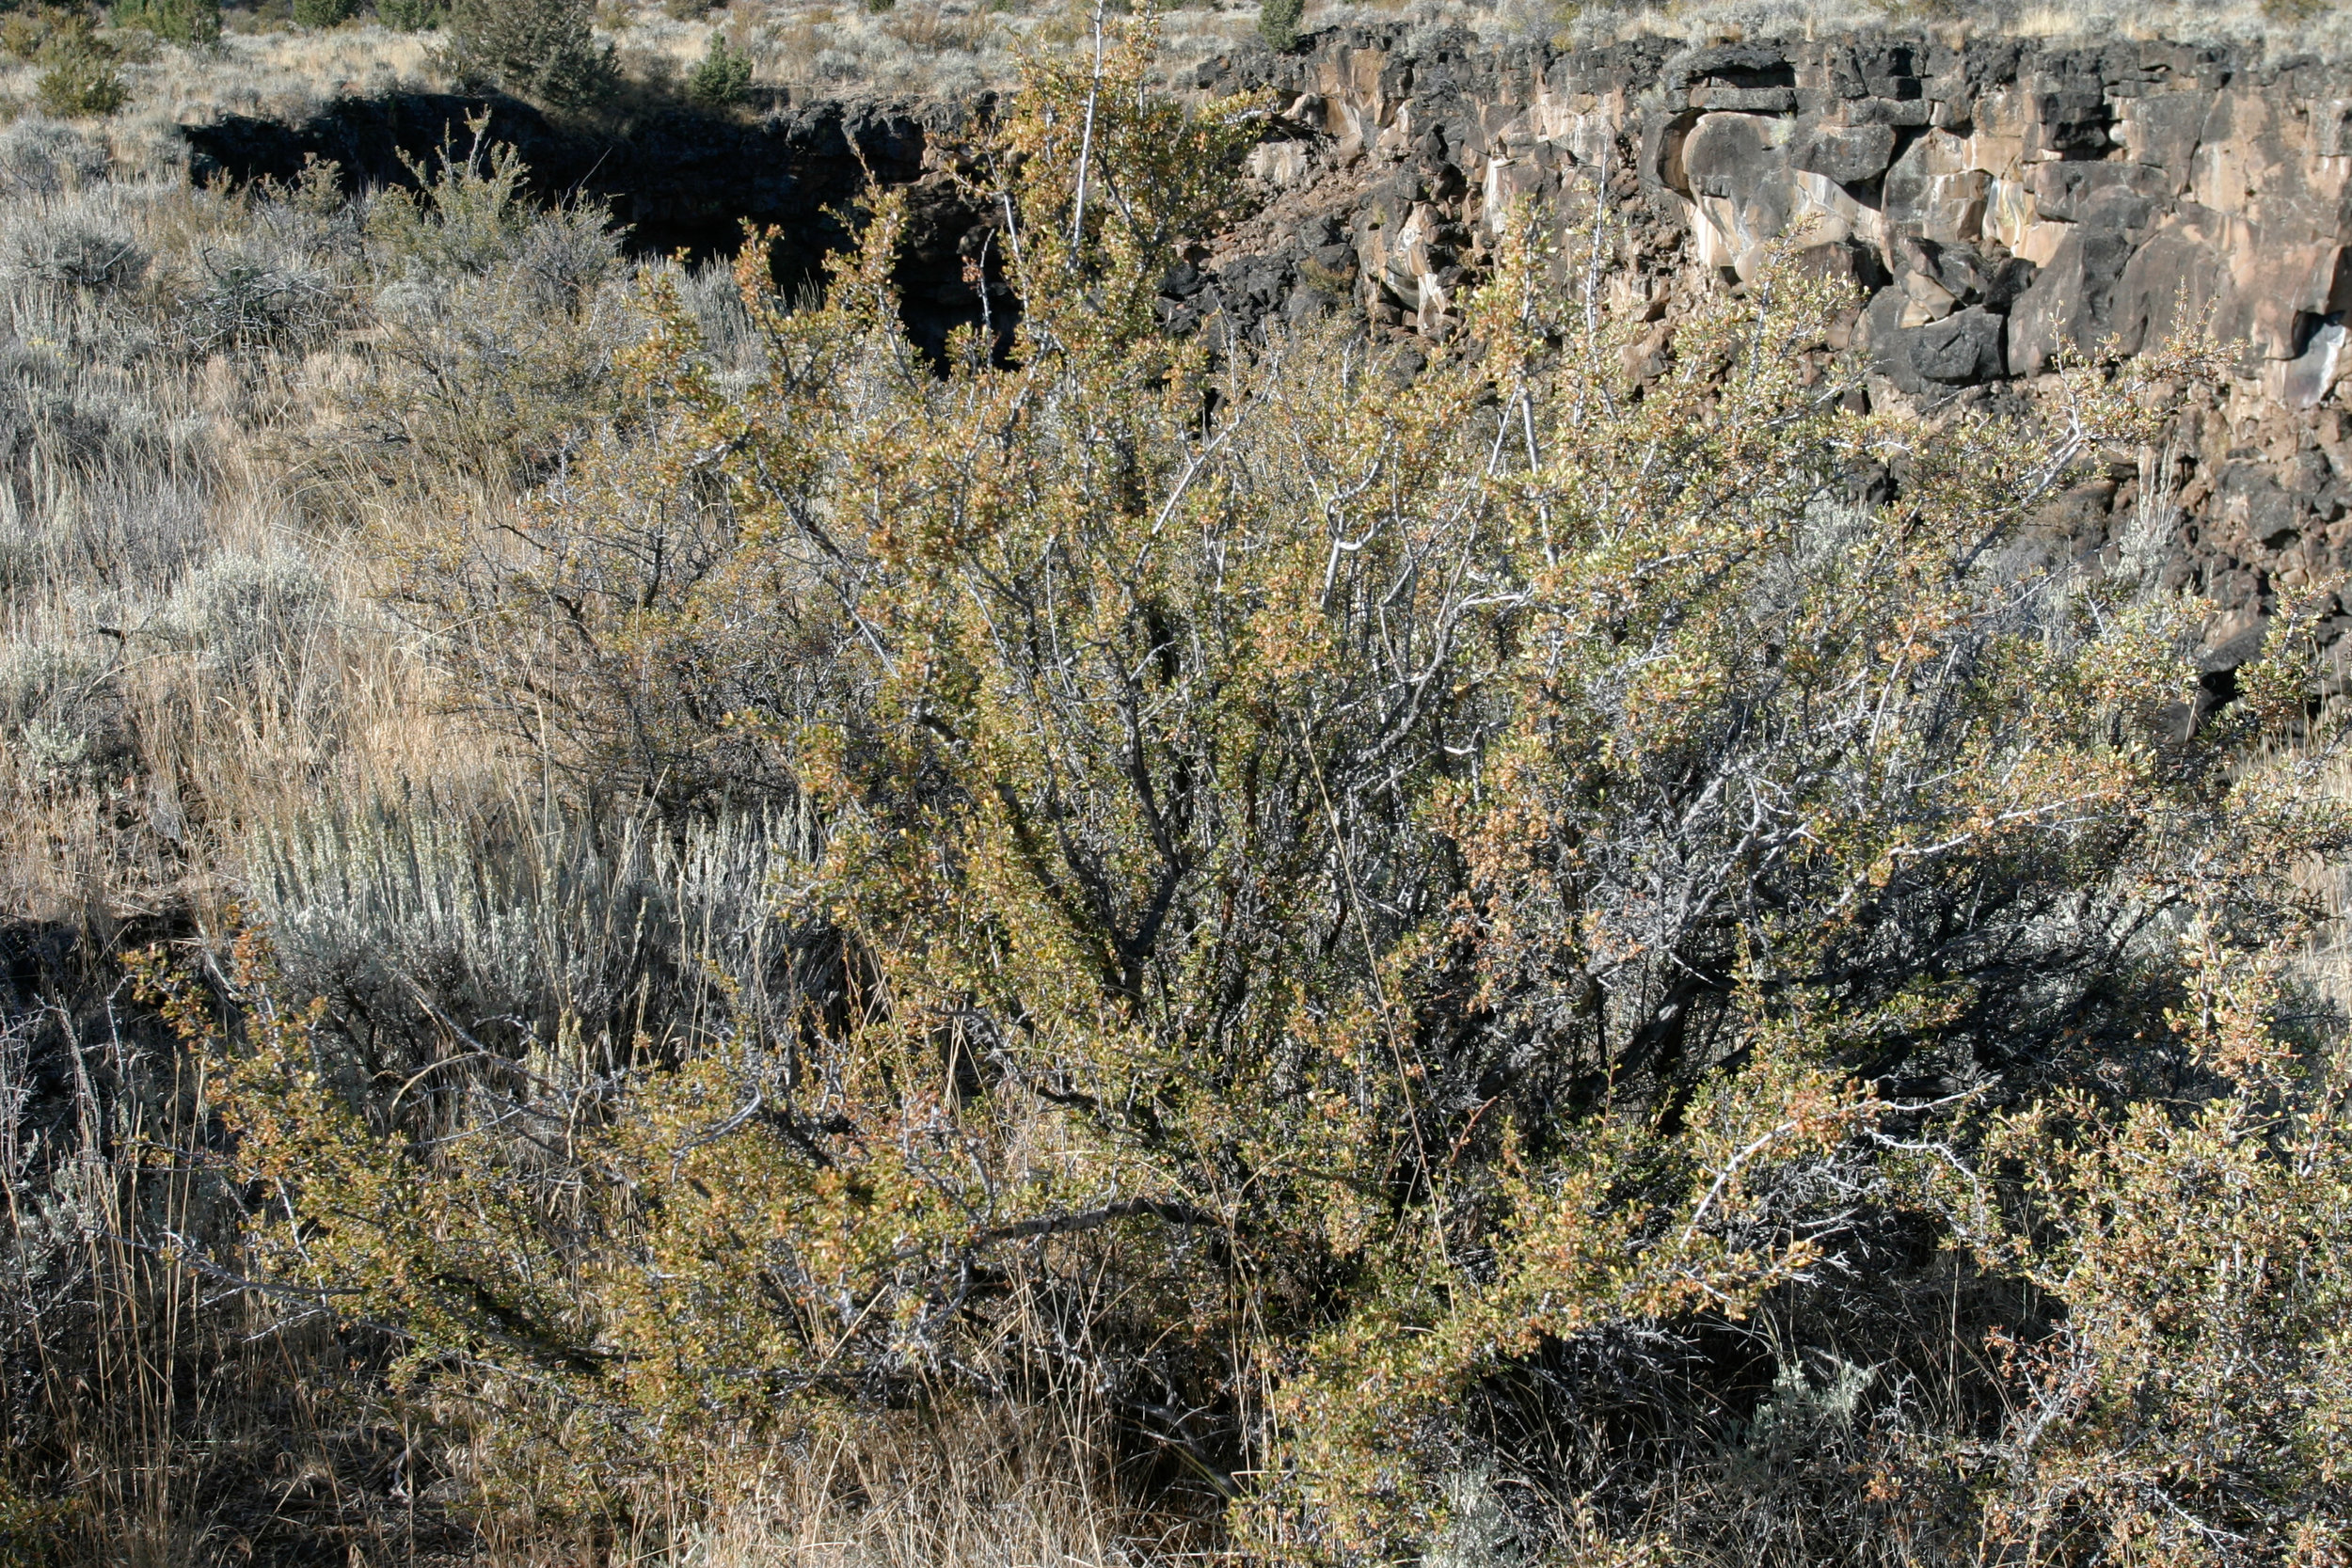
{"x":40,"y":157}
{"x":79,"y":244}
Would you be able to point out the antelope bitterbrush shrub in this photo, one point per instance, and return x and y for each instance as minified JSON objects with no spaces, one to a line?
{"x":1383,"y":930}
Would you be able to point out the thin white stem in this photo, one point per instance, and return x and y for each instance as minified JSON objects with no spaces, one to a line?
{"x":1086,"y":139}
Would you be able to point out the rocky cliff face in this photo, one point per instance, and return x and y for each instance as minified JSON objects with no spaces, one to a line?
{"x":2000,"y":204}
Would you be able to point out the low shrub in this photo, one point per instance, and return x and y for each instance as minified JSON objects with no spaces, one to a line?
{"x":501,"y":324}
{"x":565,"y":254}
{"x":247,"y":616}
{"x":537,"y":932}
{"x":1504,"y":969}
{"x":40,"y":157}
{"x":542,"y":49}
{"x":325,"y":13}
{"x":241,"y":298}
{"x":83,"y":250}
{"x":1466,"y":963}
{"x":61,"y":715}
{"x":80,"y":84}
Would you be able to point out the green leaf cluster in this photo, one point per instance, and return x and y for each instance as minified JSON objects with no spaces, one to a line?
{"x":175,"y":21}
{"x":325,"y":13}
{"x":1277,"y":23}
{"x":721,"y":78}
{"x":411,"y":16}
{"x":80,"y":84}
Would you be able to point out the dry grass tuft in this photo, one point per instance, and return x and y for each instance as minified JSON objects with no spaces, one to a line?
{"x":989,"y":1490}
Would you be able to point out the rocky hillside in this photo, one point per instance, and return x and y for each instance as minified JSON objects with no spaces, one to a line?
{"x":2001,"y":203}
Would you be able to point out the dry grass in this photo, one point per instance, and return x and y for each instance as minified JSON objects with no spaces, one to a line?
{"x":184,"y":653}
{"x":284,"y":74}
{"x":941,"y":46}
{"x":917,"y":48}
{"x":155,"y":531}
{"x":982,"y":1489}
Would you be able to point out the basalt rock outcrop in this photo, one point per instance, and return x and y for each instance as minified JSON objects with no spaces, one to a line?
{"x":2000,"y":204}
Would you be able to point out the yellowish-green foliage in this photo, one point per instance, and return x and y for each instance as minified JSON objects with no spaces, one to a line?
{"x":2197,"y":1393}
{"x":1335,"y":894}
